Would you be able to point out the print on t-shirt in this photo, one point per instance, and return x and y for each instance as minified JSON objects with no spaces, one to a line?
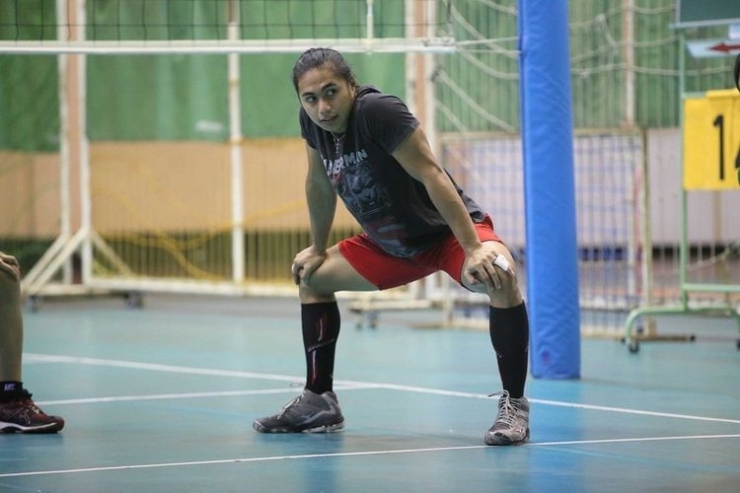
{"x":366,"y":199}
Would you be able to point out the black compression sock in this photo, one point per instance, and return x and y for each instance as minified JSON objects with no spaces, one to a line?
{"x":509,"y":330}
{"x":321,"y":323}
{"x":11,"y":389}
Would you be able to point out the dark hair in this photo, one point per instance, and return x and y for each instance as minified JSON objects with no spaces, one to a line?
{"x":318,"y":57}
{"x":737,"y":72}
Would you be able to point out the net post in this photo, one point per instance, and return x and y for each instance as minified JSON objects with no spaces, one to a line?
{"x":80,"y":99}
{"x":370,"y":25}
{"x":549,"y":187}
{"x":235,"y":143}
{"x":65,"y":218}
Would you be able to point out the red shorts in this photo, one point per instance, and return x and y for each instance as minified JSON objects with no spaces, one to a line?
{"x":386,"y":271}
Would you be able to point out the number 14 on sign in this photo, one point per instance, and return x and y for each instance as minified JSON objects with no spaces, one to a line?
{"x":711,"y":136}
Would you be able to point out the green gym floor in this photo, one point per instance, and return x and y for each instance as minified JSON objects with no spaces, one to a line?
{"x":161,"y":399}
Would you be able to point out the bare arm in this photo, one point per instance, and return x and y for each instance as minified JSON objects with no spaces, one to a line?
{"x":322,"y":204}
{"x":417,"y":159}
{"x":321,"y":198}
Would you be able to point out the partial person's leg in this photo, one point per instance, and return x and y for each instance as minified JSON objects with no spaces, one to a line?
{"x":508,"y":325}
{"x":18,"y":412}
{"x":508,"y":322}
{"x":509,"y":332}
{"x":356,"y":264}
{"x":508,"y":329}
{"x":11,"y":328}
{"x":317,"y":408}
{"x":320,"y":318}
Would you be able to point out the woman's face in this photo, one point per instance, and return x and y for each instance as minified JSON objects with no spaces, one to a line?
{"x":326,"y":97}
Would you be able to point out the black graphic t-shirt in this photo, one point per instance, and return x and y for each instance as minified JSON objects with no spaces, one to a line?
{"x":393,"y":209}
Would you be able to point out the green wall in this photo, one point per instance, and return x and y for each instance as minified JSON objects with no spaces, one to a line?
{"x":156,"y":97}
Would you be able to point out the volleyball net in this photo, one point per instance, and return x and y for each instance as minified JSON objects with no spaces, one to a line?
{"x":119,"y":27}
{"x":178,"y":166}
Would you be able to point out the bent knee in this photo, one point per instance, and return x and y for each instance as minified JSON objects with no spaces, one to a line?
{"x":314,"y":294}
{"x":506,"y":297}
{"x":509,"y":295}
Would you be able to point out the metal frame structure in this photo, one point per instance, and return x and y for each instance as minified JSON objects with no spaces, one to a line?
{"x":72,"y":48}
{"x":631,"y":330}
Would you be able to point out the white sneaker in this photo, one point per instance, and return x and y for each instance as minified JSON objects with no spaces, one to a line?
{"x":512,"y":422}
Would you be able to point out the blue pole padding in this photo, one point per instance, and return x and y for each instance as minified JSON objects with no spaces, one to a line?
{"x":549,"y":190}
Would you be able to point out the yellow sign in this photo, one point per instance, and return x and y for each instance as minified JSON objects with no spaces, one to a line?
{"x":711,"y":141}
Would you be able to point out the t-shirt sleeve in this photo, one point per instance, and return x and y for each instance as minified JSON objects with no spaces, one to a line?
{"x":306,"y":133}
{"x":387,"y":120}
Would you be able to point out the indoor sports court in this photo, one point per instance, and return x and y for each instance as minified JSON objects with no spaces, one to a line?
{"x":153,"y":193}
{"x":162,"y":399}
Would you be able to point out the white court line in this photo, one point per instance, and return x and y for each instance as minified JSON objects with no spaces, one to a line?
{"x":48,"y":358}
{"x":349,"y":454}
{"x":346,"y":383}
{"x":190,"y":395}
